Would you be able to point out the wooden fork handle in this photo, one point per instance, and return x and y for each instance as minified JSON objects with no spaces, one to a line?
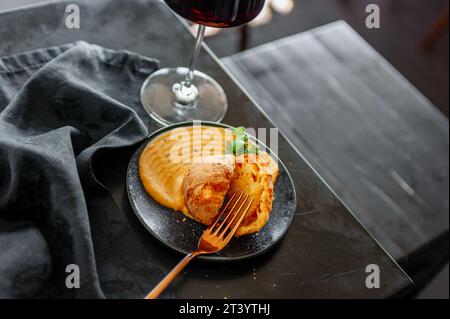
{"x":172,"y":275}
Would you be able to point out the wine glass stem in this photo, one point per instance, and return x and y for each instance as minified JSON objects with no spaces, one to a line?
{"x":185,"y":92}
{"x":198,"y":46}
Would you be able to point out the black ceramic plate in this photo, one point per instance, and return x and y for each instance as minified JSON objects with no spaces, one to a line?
{"x":182,"y":234}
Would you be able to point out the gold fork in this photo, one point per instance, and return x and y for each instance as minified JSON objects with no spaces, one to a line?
{"x":215,"y":238}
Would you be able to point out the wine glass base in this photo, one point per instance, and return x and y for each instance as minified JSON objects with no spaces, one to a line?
{"x":159,"y":99}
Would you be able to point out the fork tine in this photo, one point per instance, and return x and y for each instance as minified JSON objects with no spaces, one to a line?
{"x":230,"y":214}
{"x":224,"y":209}
{"x":232,"y":217}
{"x":244,"y":212}
{"x":239,"y":221}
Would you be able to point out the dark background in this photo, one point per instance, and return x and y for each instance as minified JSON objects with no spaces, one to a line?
{"x":404,"y":25}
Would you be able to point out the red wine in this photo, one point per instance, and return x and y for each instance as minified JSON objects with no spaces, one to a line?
{"x":217,"y":13}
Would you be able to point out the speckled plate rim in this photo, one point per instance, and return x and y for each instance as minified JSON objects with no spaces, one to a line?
{"x":208,"y":257}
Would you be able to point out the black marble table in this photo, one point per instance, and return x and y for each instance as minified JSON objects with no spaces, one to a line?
{"x":378,"y":142}
{"x":326,"y":250}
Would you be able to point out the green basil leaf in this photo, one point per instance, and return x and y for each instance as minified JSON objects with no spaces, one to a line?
{"x":239,"y":131}
{"x":239,"y":147}
{"x":253,"y":149}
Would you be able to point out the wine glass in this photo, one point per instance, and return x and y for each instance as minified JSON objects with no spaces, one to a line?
{"x":173,"y":95}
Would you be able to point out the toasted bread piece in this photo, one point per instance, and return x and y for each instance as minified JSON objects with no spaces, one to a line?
{"x":206,"y":185}
{"x":255,"y":175}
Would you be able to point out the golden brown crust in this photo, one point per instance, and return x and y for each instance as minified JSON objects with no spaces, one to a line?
{"x":255,"y":175}
{"x":205,"y":187}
